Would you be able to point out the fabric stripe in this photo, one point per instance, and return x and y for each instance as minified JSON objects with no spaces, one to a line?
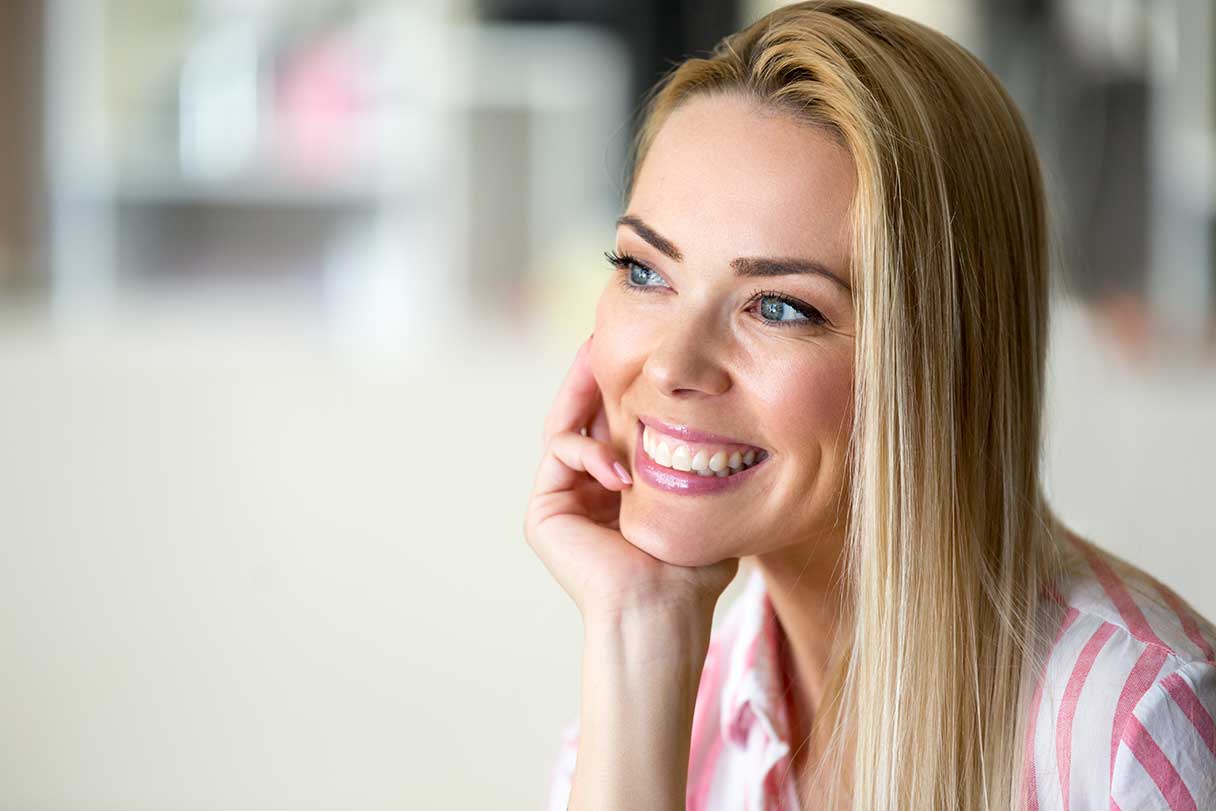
{"x":707,"y":690}
{"x":1138,"y":682}
{"x":1184,"y":696}
{"x":705,"y":779}
{"x":1068,"y":704}
{"x":697,"y":794}
{"x":1115,"y":589}
{"x":1158,"y":766}
{"x":1030,"y":799}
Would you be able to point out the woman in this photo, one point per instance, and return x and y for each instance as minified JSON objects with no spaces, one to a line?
{"x":821,"y":354}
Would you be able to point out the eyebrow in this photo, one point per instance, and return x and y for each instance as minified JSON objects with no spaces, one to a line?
{"x":744,"y":265}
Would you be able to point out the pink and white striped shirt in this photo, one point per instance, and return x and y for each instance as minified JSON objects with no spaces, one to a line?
{"x":1123,"y":715}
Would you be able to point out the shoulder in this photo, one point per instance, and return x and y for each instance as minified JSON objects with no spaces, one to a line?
{"x":1128,"y":689}
{"x":1166,"y":750}
{"x":1106,"y":587}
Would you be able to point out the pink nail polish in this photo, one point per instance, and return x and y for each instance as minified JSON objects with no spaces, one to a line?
{"x":622,"y":473}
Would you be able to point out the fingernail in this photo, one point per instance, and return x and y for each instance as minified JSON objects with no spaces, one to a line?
{"x":622,"y":473}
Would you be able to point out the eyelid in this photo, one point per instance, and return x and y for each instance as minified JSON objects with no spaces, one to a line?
{"x":814,"y":318}
{"x":623,"y":261}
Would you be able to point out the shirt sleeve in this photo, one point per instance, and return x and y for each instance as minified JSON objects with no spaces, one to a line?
{"x":1166,"y":756}
{"x":561,"y":774}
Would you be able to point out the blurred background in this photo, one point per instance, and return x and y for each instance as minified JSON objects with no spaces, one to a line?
{"x":285,"y":287}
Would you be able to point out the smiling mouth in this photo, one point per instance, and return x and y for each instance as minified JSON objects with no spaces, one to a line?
{"x":703,"y":459}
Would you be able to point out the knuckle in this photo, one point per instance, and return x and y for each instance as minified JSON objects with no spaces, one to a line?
{"x":562,"y":440}
{"x":532,"y":521}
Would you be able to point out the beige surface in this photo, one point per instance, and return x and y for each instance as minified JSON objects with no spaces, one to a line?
{"x":241,"y":571}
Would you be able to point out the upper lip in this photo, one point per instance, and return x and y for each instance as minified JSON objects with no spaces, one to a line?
{"x":691,"y":434}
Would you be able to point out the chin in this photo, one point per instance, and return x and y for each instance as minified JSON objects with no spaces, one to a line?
{"x":678,"y":544}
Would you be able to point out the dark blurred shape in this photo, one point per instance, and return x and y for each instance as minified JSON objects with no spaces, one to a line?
{"x":20,"y":141}
{"x":1108,"y":89}
{"x":1091,"y":118}
{"x":658,"y":35}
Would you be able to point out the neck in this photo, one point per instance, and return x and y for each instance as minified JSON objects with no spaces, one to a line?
{"x":801,"y":584}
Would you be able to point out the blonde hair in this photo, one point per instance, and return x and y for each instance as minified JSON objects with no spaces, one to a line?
{"x":951,"y":541}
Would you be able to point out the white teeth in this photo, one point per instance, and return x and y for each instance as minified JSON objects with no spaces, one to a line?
{"x":701,"y":462}
{"x":662,"y":454}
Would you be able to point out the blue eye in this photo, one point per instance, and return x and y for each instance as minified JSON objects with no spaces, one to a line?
{"x":778,"y":309}
{"x":636,"y":274}
{"x":642,"y":276}
{"x":775,"y":309}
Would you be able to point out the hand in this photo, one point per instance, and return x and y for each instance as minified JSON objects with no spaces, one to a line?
{"x":573,"y":518}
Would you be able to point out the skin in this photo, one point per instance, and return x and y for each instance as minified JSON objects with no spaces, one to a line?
{"x":691,"y":345}
{"x":695,"y":353}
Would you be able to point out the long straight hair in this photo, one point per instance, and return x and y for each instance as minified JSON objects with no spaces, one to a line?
{"x":951,"y":543}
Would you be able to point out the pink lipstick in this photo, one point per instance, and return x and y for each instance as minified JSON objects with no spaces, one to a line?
{"x":687,"y":482}
{"x":689,"y":434}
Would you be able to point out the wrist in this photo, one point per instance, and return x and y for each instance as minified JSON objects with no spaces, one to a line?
{"x":640,"y":676}
{"x":653,"y":658}
{"x":660,"y":613}
{"x":650,"y":634}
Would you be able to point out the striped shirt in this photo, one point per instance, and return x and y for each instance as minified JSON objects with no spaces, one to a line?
{"x":1122,"y":712}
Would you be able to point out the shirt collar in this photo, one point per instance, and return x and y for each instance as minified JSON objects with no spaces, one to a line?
{"x":754,"y":690}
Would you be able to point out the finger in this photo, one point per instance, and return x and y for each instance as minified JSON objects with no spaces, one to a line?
{"x":599,"y":425}
{"x":568,"y":457}
{"x":577,"y":399}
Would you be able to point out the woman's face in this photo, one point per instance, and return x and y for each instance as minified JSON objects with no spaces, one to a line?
{"x":731,"y":332}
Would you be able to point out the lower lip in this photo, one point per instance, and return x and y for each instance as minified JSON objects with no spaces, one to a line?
{"x":681,"y":482}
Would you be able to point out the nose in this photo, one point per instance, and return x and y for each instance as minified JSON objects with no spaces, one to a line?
{"x":687,"y":361}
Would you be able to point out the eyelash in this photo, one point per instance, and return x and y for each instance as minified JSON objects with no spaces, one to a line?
{"x":815,"y":318}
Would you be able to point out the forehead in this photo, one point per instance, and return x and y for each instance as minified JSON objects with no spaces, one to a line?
{"x":726,"y":175}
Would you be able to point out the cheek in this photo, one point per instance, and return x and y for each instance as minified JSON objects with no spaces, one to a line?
{"x":810,"y":400}
{"x":616,"y":353}
{"x":615,"y":356}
